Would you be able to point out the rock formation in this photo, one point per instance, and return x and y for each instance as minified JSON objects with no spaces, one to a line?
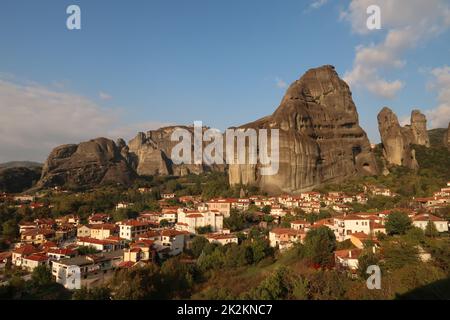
{"x":396,"y":140}
{"x":151,"y":154}
{"x":419,"y":129}
{"x":320,"y":138}
{"x":87,"y":164}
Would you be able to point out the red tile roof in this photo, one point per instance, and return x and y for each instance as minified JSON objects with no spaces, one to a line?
{"x":25,"y":250}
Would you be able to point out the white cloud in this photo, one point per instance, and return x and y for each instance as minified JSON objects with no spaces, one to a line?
{"x":410,"y":23}
{"x":104,"y":96}
{"x":439,"y":117}
{"x":280,"y":83}
{"x":35,"y":119}
{"x":317,"y":4}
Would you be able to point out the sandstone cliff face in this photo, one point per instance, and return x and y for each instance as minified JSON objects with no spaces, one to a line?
{"x":419,"y":129}
{"x":87,"y":164}
{"x":320,"y":138}
{"x":151,"y":154}
{"x":397,"y":140}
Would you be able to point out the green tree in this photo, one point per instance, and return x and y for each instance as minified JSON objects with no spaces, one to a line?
{"x":398,"y":223}
{"x":197,"y":245}
{"x":164,"y":223}
{"x":144,"y":283}
{"x":10,"y":229}
{"x":430,"y":230}
{"x":266,"y":209}
{"x":204,"y":230}
{"x":364,"y":261}
{"x":41,"y":276}
{"x":319,"y":247}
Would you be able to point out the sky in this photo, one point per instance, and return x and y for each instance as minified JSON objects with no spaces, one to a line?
{"x":142,"y":64}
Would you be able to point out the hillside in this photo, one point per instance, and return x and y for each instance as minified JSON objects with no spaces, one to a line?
{"x":20,"y":164}
{"x":437,"y":137}
{"x":18,"y":179}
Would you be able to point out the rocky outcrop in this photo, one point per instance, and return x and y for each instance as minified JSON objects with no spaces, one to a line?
{"x":447,"y":137}
{"x":396,"y":140}
{"x":419,"y":129}
{"x":320,"y":137}
{"x":87,"y":164}
{"x":151,"y":154}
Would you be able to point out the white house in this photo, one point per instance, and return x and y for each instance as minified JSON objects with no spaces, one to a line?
{"x":132,"y":229}
{"x":191,"y":220}
{"x":73,"y":273}
{"x":347,"y":258}
{"x":344,"y":226}
{"x":222,"y":238}
{"x":421,"y":221}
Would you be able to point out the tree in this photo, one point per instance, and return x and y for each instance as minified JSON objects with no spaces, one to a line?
{"x":142,"y":283}
{"x":277,"y":286}
{"x":204,"y":230}
{"x":164,"y":223}
{"x":364,"y":261}
{"x":197,"y":246}
{"x":41,"y":276}
{"x":235,"y":221}
{"x":430,"y":230}
{"x":266,"y":209}
{"x":398,"y":223}
{"x":319,"y":247}
{"x":10,"y":229}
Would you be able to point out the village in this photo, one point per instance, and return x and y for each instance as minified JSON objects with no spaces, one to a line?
{"x":87,"y":254}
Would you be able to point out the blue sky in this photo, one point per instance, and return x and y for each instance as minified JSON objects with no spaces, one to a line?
{"x":141,"y":64}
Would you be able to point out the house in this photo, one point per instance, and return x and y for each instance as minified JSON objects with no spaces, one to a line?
{"x":45,"y":223}
{"x":65,"y":231}
{"x":360,"y":239}
{"x":99,"y":218}
{"x":33,"y":261}
{"x":24,"y":198}
{"x":123,"y":205}
{"x":105,"y":245}
{"x":144,"y":190}
{"x":103,"y":231}
{"x":190,"y":221}
{"x":25,"y":226}
{"x":345,"y":225}
{"x":132,"y":229}
{"x":22,"y":252}
{"x":284,"y":238}
{"x":341,"y":208}
{"x":223,"y":206}
{"x":58,"y":254}
{"x":5,"y":259}
{"x":385,"y":192}
{"x":141,"y":250}
{"x":86,"y":271}
{"x":347,"y":259}
{"x":300,"y":224}
{"x":222,"y":238}
{"x":171,"y":242}
{"x":168,"y":195}
{"x":421,"y":221}
{"x":37,"y":236}
{"x":277,"y":210}
{"x":361,"y":198}
{"x":69,"y":219}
